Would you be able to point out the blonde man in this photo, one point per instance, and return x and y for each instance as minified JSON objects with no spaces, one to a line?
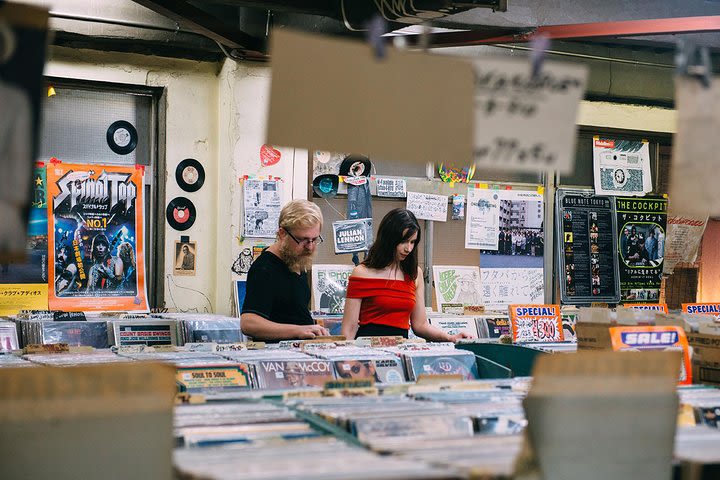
{"x":277,"y":296}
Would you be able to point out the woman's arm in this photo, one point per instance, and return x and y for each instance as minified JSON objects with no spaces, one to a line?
{"x":351,"y":317}
{"x":419,"y":321}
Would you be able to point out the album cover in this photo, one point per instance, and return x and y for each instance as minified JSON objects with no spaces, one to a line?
{"x":381,"y":370}
{"x":144,"y":332}
{"x":443,"y":363}
{"x":88,"y":333}
{"x":293,"y":373}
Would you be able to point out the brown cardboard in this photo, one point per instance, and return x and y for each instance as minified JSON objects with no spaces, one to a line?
{"x":593,"y":336}
{"x":614,"y":410}
{"x":104,"y":421}
{"x":706,"y":358}
{"x":334,"y":95}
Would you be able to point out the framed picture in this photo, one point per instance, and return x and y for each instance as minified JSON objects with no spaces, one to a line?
{"x":185,"y":253}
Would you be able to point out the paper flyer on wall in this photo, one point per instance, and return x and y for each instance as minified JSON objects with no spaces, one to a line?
{"x":352,"y":236}
{"x":262,"y":205}
{"x":587,"y":243}
{"x":24,"y":285}
{"x":536,"y":323}
{"x":682,"y":240}
{"x":522,"y":123}
{"x":456,"y":284}
{"x":390,"y":187}
{"x":96,"y":234}
{"x":641,"y":224}
{"x":482,"y":226}
{"x":329,"y":285}
{"x":427,"y":206}
{"x":513,"y":271}
{"x":621,"y":167}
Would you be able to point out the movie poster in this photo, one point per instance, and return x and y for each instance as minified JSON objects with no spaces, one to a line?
{"x":641,"y":223}
{"x":23,"y":285}
{"x":95,"y":226}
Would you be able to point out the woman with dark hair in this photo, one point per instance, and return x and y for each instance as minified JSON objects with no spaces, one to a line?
{"x":385,"y":293}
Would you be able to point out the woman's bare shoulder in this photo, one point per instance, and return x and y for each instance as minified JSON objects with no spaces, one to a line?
{"x":363,"y":271}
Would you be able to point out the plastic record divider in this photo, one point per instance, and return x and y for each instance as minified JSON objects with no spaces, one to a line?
{"x":498,"y":360}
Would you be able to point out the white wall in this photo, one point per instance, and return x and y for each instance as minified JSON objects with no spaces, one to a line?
{"x":216,"y":114}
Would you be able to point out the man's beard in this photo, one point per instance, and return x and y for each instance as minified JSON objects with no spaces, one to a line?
{"x":294,"y":262}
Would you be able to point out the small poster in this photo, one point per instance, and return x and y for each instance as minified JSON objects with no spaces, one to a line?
{"x":96,"y":234}
{"x":682,"y":240}
{"x":427,"y":206}
{"x":622,"y":167}
{"x":239,"y":290}
{"x":536,"y":323}
{"x":262,"y":207}
{"x":641,"y":226}
{"x":352,"y":235}
{"x":457,"y":285}
{"x":329,"y":284}
{"x":524,"y":124}
{"x":587,"y":239}
{"x":482,"y":227}
{"x":391,"y":187}
{"x":185,"y":254}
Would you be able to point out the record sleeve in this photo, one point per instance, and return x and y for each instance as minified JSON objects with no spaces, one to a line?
{"x":381,"y":370}
{"x":456,"y":324}
{"x":293,"y":373}
{"x":144,"y":332}
{"x":88,"y":333}
{"x":443,"y":363}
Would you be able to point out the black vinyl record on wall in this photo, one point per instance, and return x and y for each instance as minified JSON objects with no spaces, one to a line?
{"x":190,"y":175}
{"x":122,"y":137}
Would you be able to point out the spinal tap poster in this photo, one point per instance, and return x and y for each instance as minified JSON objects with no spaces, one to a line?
{"x":95,"y":224}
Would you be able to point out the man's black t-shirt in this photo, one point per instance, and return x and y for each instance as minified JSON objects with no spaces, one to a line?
{"x":275,"y":293}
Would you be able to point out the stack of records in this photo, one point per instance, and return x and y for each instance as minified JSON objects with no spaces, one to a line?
{"x":220,"y":423}
{"x":74,"y":359}
{"x":493,"y":326}
{"x":436,"y":359}
{"x":352,"y":362}
{"x":142,"y":331}
{"x":10,"y":361}
{"x":92,"y":332}
{"x":282,"y":369}
{"x":200,"y":372}
{"x":203,"y":328}
{"x":320,"y":458}
{"x":8,"y":337}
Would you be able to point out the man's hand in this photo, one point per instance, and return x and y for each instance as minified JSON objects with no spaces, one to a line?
{"x":456,"y":337}
{"x":311,"y":331}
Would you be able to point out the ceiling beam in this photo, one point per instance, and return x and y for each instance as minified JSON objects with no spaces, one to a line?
{"x":577,"y":31}
{"x":196,"y":20}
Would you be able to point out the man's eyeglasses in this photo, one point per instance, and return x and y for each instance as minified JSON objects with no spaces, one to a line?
{"x":305,"y":242}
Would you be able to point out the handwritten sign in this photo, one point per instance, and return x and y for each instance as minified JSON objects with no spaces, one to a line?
{"x":536,"y":323}
{"x":501,"y":287}
{"x":682,"y":240}
{"x":391,"y":187}
{"x":525,"y":123}
{"x":427,"y":206}
{"x":352,"y":235}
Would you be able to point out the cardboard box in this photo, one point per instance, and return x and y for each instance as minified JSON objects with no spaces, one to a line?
{"x":706,"y":358}
{"x":593,"y":336}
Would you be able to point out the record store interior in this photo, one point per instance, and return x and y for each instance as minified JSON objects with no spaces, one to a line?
{"x":345,"y":239}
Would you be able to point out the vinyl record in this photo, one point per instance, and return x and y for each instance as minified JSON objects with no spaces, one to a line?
{"x":190,"y":175}
{"x":122,"y":137}
{"x":180,"y":213}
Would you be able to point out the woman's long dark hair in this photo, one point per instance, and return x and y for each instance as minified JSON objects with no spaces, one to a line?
{"x":396,"y":227}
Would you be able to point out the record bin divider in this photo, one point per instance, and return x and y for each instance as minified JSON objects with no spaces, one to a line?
{"x":320,"y":424}
{"x":497,"y":360}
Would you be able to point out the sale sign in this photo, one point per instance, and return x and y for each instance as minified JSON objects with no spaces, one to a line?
{"x":536,"y":323}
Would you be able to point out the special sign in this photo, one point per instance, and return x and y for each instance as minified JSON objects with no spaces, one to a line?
{"x":536,"y":323}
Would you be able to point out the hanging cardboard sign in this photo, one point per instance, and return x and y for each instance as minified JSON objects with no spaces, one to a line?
{"x":96,"y":233}
{"x":355,"y":109}
{"x":352,"y":235}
